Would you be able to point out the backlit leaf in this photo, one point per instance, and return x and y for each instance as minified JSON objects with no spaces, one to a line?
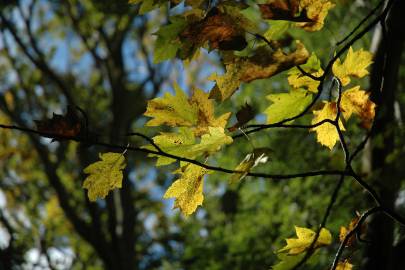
{"x":316,"y":11}
{"x":188,"y":189}
{"x":104,"y":175}
{"x":298,"y":80}
{"x":286,"y":105}
{"x":264,"y":64}
{"x":304,"y":239}
{"x":355,"y":64}
{"x":171,"y":110}
{"x":179,"y":110}
{"x":326,"y":133}
{"x":259,"y":155}
{"x":356,"y":101}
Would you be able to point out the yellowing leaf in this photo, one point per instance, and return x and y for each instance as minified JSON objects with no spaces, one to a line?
{"x":316,"y":11}
{"x":304,"y":239}
{"x":205,"y":113}
{"x":287,"y":105}
{"x":344,"y":265}
{"x":178,"y":110}
{"x":297,"y":80}
{"x":184,"y":144}
{"x":212,"y":141}
{"x":356,"y":101}
{"x":177,"y":144}
{"x":188,"y":189}
{"x":354,"y":65}
{"x":326,"y":133}
{"x":171,"y":110}
{"x":264,"y":64}
{"x":104,"y":175}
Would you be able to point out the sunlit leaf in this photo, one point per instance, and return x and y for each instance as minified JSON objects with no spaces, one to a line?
{"x":346,"y":265}
{"x":355,"y":64}
{"x":326,"y":133}
{"x":304,"y":239}
{"x":264,"y":64}
{"x":258,"y":156}
{"x":286,"y":105}
{"x":188,"y":189}
{"x":104,"y":175}
{"x":298,"y":80}
{"x":356,"y":101}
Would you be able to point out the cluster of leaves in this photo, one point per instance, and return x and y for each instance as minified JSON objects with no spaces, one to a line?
{"x":197,"y":130}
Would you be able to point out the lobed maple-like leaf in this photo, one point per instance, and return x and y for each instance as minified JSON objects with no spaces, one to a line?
{"x":304,"y":239}
{"x":68,"y":125}
{"x":298,"y":80}
{"x":171,"y":110}
{"x":316,"y":11}
{"x":179,"y":110}
{"x":355,"y":64}
{"x":188,"y":189}
{"x":356,"y":101}
{"x":326,"y":133}
{"x":286,"y":105}
{"x":264,"y":64}
{"x":184,"y":144}
{"x":243,"y":116}
{"x":104,"y":175}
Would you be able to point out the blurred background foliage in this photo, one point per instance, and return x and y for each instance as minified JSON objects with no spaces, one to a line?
{"x":98,"y":55}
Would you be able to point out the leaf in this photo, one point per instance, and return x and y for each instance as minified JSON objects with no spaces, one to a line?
{"x":287,"y":261}
{"x":205,"y":113}
{"x":326,"y":133}
{"x":298,"y":80}
{"x":309,"y":14}
{"x":167,"y":43}
{"x":346,"y":265}
{"x":344,"y":231}
{"x":356,"y":101}
{"x":219,"y":29}
{"x":316,"y":11}
{"x":259,"y":155}
{"x":68,"y":125}
{"x":355,"y":64}
{"x":183,"y":144}
{"x":171,"y":110}
{"x":173,"y":143}
{"x":104,"y":175}
{"x":178,"y":110}
{"x":188,"y":189}
{"x":262,"y":65}
{"x":244,"y":115}
{"x":280,"y":9}
{"x":286,"y":105}
{"x":304,"y":239}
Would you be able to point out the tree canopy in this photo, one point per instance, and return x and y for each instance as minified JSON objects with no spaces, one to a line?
{"x":274,"y":127}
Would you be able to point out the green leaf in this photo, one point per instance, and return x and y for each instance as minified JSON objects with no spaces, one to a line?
{"x":104,"y":175}
{"x":167,"y":43}
{"x":276,"y":29}
{"x":287,"y":105}
{"x":287,"y":261}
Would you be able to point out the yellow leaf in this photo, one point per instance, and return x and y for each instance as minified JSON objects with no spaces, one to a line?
{"x":304,"y":239}
{"x":344,"y":265}
{"x":104,"y":175}
{"x":179,"y":110}
{"x":188,"y":189}
{"x":171,"y":110}
{"x":316,"y":11}
{"x":356,"y":101}
{"x":326,"y":133}
{"x":262,"y":65}
{"x":184,"y":144}
{"x":259,"y":155}
{"x":298,"y":80}
{"x":205,"y":113}
{"x":354,"y":65}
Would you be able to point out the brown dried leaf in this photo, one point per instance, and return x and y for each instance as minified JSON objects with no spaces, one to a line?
{"x":279,"y":10}
{"x":68,"y":125}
